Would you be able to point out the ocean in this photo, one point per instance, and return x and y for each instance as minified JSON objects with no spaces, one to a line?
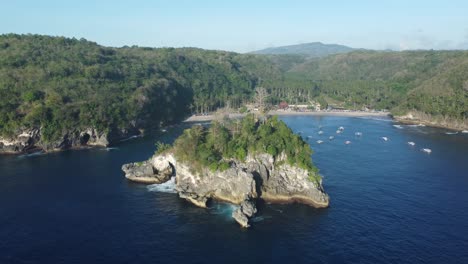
{"x":390,"y":203}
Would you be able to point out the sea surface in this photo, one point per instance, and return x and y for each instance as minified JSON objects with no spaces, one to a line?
{"x":390,"y":203}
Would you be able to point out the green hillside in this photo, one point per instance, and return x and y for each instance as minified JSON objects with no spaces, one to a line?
{"x":311,"y":50}
{"x":58,"y":84}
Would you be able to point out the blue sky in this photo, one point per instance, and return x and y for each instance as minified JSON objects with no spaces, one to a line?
{"x":243,"y":25}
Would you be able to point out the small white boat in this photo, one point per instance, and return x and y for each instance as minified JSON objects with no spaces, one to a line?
{"x":319,"y":141}
{"x":358,"y":134}
{"x":398,"y":126}
{"x":341,"y":128}
{"x":331,"y":137}
{"x":426,"y":150}
{"x":411,"y":143}
{"x":465,"y":131}
{"x":385,"y":138}
{"x":338,"y":131}
{"x":320,"y":132}
{"x":163,"y":130}
{"x":451,"y":133}
{"x":347,"y":142}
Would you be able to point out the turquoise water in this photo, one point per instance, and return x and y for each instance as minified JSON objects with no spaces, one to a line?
{"x":390,"y":203}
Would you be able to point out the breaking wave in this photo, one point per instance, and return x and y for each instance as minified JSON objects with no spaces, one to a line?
{"x":167,"y":187}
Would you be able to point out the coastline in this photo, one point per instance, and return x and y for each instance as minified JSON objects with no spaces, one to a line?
{"x":202,"y":118}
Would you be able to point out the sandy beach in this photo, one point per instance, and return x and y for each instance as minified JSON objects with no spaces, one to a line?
{"x":201,"y":118}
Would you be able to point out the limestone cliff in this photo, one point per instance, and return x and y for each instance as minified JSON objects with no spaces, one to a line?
{"x":32,"y":139}
{"x":258,"y":177}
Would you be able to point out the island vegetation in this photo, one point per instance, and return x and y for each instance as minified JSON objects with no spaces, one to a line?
{"x":223,"y":142}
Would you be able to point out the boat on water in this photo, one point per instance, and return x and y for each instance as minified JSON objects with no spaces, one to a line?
{"x":465,"y":131}
{"x":385,"y":138}
{"x":320,"y":132}
{"x":451,"y":133}
{"x":331,"y":137}
{"x":398,"y":126}
{"x":341,"y":128}
{"x":358,"y":134}
{"x":347,"y":142}
{"x":338,"y":131}
{"x":319,"y":141}
{"x":426,"y":150}
{"x":411,"y":143}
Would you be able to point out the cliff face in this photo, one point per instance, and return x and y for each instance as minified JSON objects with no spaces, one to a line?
{"x":415,"y":117}
{"x":31,"y":139}
{"x":244,"y":182}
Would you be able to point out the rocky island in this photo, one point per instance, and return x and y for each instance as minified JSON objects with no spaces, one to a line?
{"x":236,"y":161}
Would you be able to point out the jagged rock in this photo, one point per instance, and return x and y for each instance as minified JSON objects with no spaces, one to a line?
{"x":32,"y":139}
{"x":244,"y":212}
{"x":240,"y":218}
{"x":145,"y":173}
{"x":248,"y":208}
{"x":162,"y":165}
{"x":285,"y":183}
{"x":260,"y":176}
{"x":233,"y":185}
{"x":23,"y":141}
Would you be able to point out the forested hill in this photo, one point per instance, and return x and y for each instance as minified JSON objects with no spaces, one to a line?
{"x":59,"y":83}
{"x":310,"y":50}
{"x":429,"y":82}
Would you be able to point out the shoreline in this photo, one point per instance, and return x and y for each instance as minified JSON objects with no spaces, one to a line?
{"x":201,"y":118}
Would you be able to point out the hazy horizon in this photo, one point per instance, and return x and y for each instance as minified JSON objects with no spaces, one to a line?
{"x":243,"y":26}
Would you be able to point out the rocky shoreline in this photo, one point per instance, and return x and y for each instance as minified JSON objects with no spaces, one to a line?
{"x":258,"y":177}
{"x":416,"y":119}
{"x":31,"y":140}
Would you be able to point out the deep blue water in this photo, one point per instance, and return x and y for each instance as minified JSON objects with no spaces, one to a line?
{"x":390,"y":203}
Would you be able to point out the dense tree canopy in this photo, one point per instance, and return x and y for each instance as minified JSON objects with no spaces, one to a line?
{"x":58,"y":83}
{"x":228,"y":140}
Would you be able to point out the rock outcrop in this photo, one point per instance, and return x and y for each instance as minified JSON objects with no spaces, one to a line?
{"x":245,"y":211}
{"x":28,"y":140}
{"x":258,"y":177}
{"x":159,"y":169}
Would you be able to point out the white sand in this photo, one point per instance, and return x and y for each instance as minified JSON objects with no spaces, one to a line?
{"x":201,"y":118}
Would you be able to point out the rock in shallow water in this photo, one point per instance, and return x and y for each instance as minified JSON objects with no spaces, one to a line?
{"x":244,"y":212}
{"x":144,"y":172}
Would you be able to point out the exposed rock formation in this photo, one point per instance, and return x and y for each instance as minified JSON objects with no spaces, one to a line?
{"x":245,"y":211}
{"x":32,"y":139}
{"x":156,"y":170}
{"x":259,"y":176}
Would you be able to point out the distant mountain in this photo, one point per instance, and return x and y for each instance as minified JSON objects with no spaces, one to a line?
{"x":313,"y":50}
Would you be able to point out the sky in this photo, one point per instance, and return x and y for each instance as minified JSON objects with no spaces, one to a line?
{"x":245,"y":25}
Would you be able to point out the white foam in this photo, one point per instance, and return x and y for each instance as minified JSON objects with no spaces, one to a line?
{"x":130,"y":138}
{"x":167,"y":187}
{"x":112,"y":148}
{"x":34,"y":154}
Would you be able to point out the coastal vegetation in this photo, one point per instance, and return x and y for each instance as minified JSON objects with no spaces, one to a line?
{"x":229,"y":140}
{"x":58,"y":84}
